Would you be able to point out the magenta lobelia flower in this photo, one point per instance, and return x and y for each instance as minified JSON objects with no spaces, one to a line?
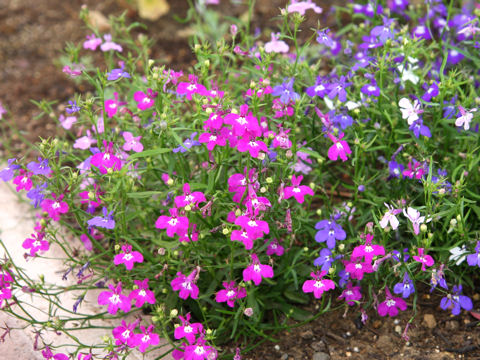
{"x":244,"y":121}
{"x":319,"y":285}
{"x":244,"y":237}
{"x":48,"y":355}
{"x":36,"y":243}
{"x":200,"y":351}
{"x":256,"y":271}
{"x":106,"y":161}
{"x":391,"y":305}
{"x":425,"y":260}
{"x":187,"y":330}
{"x":339,"y":148}
{"x":145,"y":100}
{"x":351,"y":294}
{"x":124,"y":334}
{"x":297,"y":191}
{"x":230,"y":293}
{"x":274,"y":248}
{"x":111,"y":105}
{"x":128,"y":257}
{"x":23,"y":180}
{"x":189,"y":198}
{"x":186,"y":285}
{"x":55,"y":207}
{"x":114,"y":299}
{"x":174,"y":224}
{"x":142,"y":294}
{"x":248,"y":143}
{"x":191,"y":87}
{"x":368,"y":250}
{"x":356,"y":268}
{"x":146,"y":338}
{"x":255,"y":228}
{"x":131,"y":142}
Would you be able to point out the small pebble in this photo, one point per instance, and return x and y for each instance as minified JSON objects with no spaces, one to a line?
{"x":277,"y":347}
{"x":284,"y":357}
{"x":348,"y":353}
{"x":348,"y":333}
{"x":396,"y":322}
{"x":356,"y":349}
{"x":398,"y":329}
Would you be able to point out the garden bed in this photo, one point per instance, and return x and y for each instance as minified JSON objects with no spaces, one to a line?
{"x":30,"y":72}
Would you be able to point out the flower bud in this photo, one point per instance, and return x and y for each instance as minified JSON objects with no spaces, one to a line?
{"x":188,"y":207}
{"x":423,"y":228}
{"x":225,"y":231}
{"x":453,"y":222}
{"x":170,"y":182}
{"x":248,"y":312}
{"x":319,"y":212}
{"x":263,"y":189}
{"x":117,"y":247}
{"x":173,"y":313}
{"x":269,"y":180}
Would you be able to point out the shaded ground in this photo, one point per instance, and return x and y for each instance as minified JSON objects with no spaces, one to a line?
{"x":32,"y":35}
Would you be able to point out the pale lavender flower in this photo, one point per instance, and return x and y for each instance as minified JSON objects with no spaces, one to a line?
{"x":109,"y":44}
{"x":8,"y":173}
{"x":286,"y":92}
{"x":106,"y":221}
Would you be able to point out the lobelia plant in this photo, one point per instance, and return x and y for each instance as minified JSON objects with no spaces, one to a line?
{"x":208,"y":199}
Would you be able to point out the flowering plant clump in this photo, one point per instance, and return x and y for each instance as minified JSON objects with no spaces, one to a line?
{"x":222,"y":196}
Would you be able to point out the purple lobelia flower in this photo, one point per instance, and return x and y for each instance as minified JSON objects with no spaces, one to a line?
{"x":456,"y":301}
{"x":106,"y":221}
{"x":329,"y":232}
{"x":116,"y":74}
{"x":8,"y":173}
{"x":37,"y":194}
{"x":73,"y":107}
{"x":40,"y":168}
{"x":474,"y":259}
{"x":325,"y":39}
{"x":325,"y":259}
{"x":384,"y":32}
{"x":419,"y":129}
{"x":337,"y":88}
{"x":286,"y":92}
{"x":431,"y":92}
{"x":371,"y":89}
{"x":405,"y":287}
{"x":319,"y":89}
{"x":187,"y":144}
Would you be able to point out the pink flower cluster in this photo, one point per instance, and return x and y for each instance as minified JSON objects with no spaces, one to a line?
{"x":115,"y":300}
{"x":6,"y":280}
{"x":125,"y":335}
{"x":195,"y":348}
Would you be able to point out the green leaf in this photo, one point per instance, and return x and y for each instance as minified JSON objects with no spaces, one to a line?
{"x":151,"y":152}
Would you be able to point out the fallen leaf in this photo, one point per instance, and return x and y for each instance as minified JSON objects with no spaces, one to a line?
{"x":152,"y":9}
{"x":476,"y":315}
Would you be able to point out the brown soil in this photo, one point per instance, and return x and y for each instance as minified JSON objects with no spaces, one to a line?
{"x":32,"y":36}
